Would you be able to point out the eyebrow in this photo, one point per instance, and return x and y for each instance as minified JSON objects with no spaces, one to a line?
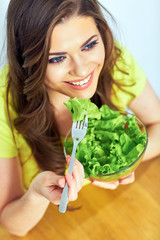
{"x":85,"y":43}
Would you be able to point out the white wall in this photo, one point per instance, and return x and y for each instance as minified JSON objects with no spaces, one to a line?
{"x":3,"y":9}
{"x":137,"y":28}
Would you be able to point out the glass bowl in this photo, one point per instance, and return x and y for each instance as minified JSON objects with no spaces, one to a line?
{"x":128,"y":169}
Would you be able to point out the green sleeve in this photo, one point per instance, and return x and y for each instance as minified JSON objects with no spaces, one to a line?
{"x":134,"y":80}
{"x":7,"y":145}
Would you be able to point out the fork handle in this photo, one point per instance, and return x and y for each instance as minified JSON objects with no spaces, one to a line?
{"x":64,"y":197}
{"x":71,"y":164}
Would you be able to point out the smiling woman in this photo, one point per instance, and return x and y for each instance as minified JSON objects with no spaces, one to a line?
{"x":79,"y":58}
{"x":59,"y":50}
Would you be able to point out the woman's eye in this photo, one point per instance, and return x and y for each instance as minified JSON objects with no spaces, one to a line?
{"x":57,"y":59}
{"x":90,"y":45}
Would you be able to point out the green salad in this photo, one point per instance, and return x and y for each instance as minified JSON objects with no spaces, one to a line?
{"x":112,"y":142}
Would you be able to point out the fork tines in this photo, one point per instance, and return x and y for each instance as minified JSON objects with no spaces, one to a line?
{"x":81,"y":124}
{"x":86,"y":121}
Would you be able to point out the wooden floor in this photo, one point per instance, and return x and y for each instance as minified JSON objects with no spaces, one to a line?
{"x":131,"y":212}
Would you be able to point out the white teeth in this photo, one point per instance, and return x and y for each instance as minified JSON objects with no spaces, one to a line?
{"x":81,"y":82}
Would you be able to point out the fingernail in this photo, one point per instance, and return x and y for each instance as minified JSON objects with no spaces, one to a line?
{"x":68,"y":159}
{"x":61,"y":182}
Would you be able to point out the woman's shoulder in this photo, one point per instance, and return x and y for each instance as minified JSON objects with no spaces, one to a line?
{"x":129,"y":74}
{"x":127,"y":68}
{"x":126,"y":59}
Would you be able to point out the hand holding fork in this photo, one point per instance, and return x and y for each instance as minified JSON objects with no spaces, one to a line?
{"x":79,"y":130}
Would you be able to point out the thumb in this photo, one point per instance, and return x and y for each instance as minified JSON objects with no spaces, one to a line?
{"x":51,"y":178}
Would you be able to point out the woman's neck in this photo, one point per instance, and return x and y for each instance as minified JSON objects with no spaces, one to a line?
{"x":61,"y":112}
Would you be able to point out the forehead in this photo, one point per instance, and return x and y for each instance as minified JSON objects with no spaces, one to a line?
{"x":73,"y":30}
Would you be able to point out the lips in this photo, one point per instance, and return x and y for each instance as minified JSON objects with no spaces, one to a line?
{"x":81,"y":83}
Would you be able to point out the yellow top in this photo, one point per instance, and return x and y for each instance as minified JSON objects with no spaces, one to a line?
{"x":135,"y":81}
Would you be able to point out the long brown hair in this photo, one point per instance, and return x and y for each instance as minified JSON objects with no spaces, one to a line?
{"x":29,"y":27}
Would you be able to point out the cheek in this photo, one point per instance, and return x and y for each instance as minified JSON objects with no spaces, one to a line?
{"x":100,"y":59}
{"x":54,"y":74}
{"x":100,"y":55}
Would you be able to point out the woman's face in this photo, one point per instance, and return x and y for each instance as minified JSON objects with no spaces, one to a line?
{"x":76,"y":58}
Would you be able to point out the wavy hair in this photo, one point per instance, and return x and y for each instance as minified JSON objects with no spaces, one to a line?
{"x":29,"y":27}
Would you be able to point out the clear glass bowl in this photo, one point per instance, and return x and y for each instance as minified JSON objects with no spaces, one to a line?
{"x":127,"y":170}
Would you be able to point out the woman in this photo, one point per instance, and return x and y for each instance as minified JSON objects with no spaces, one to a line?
{"x":57,"y":50}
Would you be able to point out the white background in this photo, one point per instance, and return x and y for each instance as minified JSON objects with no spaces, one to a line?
{"x":138,"y":28}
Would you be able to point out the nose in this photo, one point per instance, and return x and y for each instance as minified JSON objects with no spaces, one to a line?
{"x":79,"y":67}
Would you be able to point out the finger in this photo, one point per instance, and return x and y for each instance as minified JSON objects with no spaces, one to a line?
{"x":106,"y":185}
{"x":76,"y":163}
{"x":72,"y":188}
{"x":61,"y":182}
{"x":50,"y":186}
{"x":78,"y":172}
{"x":68,"y":158}
{"x":50,"y":179}
{"x":54,"y":192}
{"x":55,"y":196}
{"x":128,"y":179}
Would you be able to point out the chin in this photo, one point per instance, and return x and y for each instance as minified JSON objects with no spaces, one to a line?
{"x":84,"y":95}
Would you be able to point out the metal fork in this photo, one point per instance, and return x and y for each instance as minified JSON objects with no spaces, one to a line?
{"x":79,"y":130}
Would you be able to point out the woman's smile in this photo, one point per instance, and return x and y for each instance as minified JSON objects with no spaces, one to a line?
{"x":81,"y":84}
{"x":76,"y":58}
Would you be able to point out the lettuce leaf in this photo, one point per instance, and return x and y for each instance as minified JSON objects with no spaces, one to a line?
{"x":112,"y":142}
{"x":79,"y":108}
